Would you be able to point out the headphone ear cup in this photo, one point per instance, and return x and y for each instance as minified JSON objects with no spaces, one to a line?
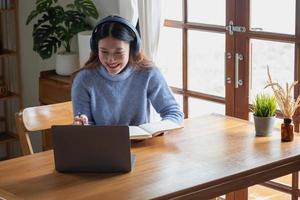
{"x":134,"y":48}
{"x":136,"y":45}
{"x":93,"y":44}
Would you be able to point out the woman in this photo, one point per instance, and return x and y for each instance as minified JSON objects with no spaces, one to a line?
{"x":117,"y":84}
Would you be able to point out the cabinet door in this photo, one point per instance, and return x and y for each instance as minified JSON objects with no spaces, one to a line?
{"x":51,"y":91}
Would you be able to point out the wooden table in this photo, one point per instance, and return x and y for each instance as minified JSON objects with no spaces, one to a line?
{"x":212,"y":155}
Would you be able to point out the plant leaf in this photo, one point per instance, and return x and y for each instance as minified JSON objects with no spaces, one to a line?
{"x":31,"y":16}
{"x":60,"y":31}
{"x":44,"y":19}
{"x":56,"y":15}
{"x":71,"y":6}
{"x":87,"y":7}
{"x":75,"y":22}
{"x":42,"y":5}
{"x":264,"y":105}
{"x":45,"y":42}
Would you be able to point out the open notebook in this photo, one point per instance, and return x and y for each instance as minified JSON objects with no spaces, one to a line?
{"x":149,"y":130}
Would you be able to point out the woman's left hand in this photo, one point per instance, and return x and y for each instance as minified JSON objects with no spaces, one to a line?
{"x":81,"y":120}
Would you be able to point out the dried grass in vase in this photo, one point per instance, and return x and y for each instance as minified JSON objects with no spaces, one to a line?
{"x":284,"y":98}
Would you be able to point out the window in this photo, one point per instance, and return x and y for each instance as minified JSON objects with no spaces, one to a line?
{"x":213,"y":70}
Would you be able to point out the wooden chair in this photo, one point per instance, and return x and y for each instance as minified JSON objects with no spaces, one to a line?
{"x":40,"y":118}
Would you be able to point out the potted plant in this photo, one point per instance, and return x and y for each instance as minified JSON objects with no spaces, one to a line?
{"x":287,"y":105}
{"x":264,"y":109}
{"x":56,"y":26}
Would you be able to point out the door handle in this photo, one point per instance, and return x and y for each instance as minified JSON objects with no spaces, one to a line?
{"x":237,"y":82}
{"x":231,"y":28}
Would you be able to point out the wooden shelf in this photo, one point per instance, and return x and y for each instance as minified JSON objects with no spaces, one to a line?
{"x":10,"y":95}
{"x":6,"y":52}
{"x":7,"y":10}
{"x":7,"y":137}
{"x":51,"y":74}
{"x":2,"y":119}
{"x":10,"y":58}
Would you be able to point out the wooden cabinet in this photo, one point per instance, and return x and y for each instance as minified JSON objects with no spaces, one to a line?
{"x":10,"y":77}
{"x":53,"y":88}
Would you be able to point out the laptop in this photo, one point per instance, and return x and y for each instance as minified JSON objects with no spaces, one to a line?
{"x":91,"y":148}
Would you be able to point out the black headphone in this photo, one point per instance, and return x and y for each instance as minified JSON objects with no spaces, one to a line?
{"x":136,"y":45}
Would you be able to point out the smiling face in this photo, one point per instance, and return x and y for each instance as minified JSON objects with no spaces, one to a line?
{"x":113,"y":54}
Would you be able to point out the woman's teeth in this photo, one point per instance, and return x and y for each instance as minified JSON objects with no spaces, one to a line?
{"x":113,"y":66}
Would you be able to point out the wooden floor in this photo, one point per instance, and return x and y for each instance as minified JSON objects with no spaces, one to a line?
{"x":258,"y":192}
{"x":262,"y":193}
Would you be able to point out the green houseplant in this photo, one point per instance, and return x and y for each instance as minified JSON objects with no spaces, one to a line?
{"x":264,"y":110}
{"x":55,"y":26}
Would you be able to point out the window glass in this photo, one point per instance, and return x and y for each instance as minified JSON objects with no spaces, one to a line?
{"x":207,"y":12}
{"x":172,"y":9}
{"x":273,"y":16}
{"x":169,"y":57}
{"x":206,"y":62}
{"x":279,"y":56}
{"x":199,"y":107}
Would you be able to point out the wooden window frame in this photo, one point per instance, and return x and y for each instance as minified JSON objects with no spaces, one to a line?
{"x":241,"y":8}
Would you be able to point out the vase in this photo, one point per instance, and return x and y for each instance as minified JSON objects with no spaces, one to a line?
{"x":287,"y":130}
{"x":66,"y":63}
{"x":84,"y":46}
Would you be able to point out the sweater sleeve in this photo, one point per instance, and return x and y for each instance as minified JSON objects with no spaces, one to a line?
{"x":80,"y":96}
{"x":162,"y":98}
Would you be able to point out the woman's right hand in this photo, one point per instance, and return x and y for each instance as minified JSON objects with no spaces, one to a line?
{"x":81,"y":119}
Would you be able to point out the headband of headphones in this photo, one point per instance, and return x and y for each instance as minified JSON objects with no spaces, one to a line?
{"x":136,"y":45}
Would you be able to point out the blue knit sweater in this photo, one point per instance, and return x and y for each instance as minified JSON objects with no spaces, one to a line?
{"x":123,"y":99}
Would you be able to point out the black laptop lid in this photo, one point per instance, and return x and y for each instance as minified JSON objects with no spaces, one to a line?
{"x":91,"y":148}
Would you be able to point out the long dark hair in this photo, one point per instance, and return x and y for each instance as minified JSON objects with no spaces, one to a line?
{"x":120,"y":32}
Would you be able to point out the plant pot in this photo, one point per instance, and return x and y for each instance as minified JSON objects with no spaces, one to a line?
{"x":84,"y":46}
{"x":264,"y":126}
{"x":66,"y":63}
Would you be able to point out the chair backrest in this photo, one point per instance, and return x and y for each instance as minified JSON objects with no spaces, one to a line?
{"x":41,"y":118}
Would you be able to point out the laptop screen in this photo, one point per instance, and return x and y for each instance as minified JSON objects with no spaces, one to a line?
{"x":91,"y":148}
